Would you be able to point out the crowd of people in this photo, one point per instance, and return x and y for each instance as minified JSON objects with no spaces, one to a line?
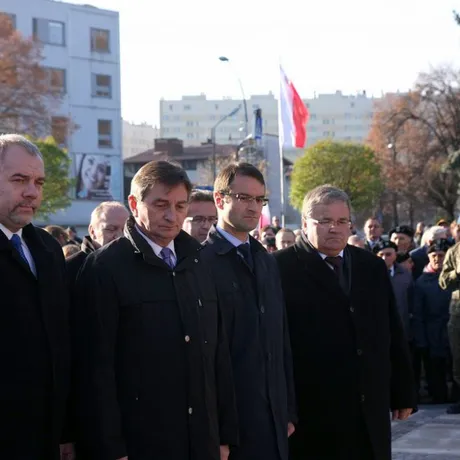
{"x":178,"y":330}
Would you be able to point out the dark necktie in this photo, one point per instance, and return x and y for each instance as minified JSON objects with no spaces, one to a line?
{"x":336,"y":263}
{"x":167,"y":256}
{"x":16,"y":242}
{"x":245,"y":250}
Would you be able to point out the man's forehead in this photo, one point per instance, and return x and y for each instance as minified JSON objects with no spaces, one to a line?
{"x":332,"y":209}
{"x":202,"y":207}
{"x":16,"y":160}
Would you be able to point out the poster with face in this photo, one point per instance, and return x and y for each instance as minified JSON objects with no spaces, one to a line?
{"x":97,"y":177}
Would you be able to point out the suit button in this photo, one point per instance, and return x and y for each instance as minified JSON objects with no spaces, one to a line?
{"x":363,"y":398}
{"x":187,"y":338}
{"x":352,"y":309}
{"x":359,"y":352}
{"x":262,"y":309}
{"x":174,"y":273}
{"x":190,"y":410}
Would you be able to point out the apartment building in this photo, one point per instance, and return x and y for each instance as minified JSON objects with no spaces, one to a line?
{"x":335,"y":116}
{"x":138,"y":137}
{"x":82,"y":53}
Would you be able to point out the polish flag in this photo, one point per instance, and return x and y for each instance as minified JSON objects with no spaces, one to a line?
{"x":265,"y":218}
{"x":293,"y":115}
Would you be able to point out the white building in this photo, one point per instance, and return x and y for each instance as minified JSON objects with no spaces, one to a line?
{"x":138,"y":138}
{"x":335,"y":116}
{"x":82,"y":52}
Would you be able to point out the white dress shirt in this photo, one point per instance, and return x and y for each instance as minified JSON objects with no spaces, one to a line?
{"x":157,"y":249}
{"x":230,"y":238}
{"x":9,"y":234}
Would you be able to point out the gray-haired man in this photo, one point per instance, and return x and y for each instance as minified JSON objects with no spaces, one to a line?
{"x":351,"y":359}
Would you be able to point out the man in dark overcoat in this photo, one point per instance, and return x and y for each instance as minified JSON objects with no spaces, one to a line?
{"x":34,"y":332}
{"x":351,"y":358}
{"x":153,"y":366}
{"x":253,"y":306}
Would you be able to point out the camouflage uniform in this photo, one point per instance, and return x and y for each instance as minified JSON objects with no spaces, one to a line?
{"x":450,"y":279}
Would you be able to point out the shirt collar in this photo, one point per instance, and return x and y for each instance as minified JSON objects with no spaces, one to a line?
{"x":230,"y":238}
{"x":156,"y":248}
{"x":9,"y":233}
{"x":323,"y":256}
{"x":392,"y":271}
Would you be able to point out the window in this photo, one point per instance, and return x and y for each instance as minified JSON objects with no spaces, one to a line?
{"x":187,"y":107}
{"x":325,"y":121}
{"x":212,"y":117}
{"x":352,"y":105}
{"x":326,"y":133}
{"x":165,"y":117}
{"x":49,"y":32}
{"x":189,"y":123}
{"x":255,"y":106}
{"x":59,"y":130}
{"x":216,"y":106}
{"x":104,"y":133}
{"x":177,"y":117}
{"x":189,"y":135}
{"x":11,"y":18}
{"x":102,"y":86}
{"x":177,"y":130}
{"x":166,"y":130}
{"x":56,"y":78}
{"x":312,"y":116}
{"x":170,"y":107}
{"x":190,"y":165}
{"x":100,"y":40}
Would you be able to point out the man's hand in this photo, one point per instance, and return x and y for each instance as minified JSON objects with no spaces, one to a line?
{"x":401,"y":414}
{"x":224,"y":452}
{"x":291,"y":429}
{"x":67,"y":451}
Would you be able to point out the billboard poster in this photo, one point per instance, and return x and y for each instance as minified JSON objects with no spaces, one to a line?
{"x":98,"y":177}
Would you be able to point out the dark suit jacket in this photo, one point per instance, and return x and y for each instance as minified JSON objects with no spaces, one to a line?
{"x":254,"y":315}
{"x":34,"y":348}
{"x":351,"y":358}
{"x":420,"y":258}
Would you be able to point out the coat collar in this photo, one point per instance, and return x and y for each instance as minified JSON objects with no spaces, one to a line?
{"x":222,"y":246}
{"x":186,"y":247}
{"x":87,"y":245}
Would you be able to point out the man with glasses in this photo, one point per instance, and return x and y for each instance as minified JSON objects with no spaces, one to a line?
{"x":249,"y":288}
{"x":201,"y":216}
{"x":351,"y":358}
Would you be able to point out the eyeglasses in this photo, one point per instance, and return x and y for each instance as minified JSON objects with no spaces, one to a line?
{"x":202,"y":219}
{"x":246,"y":199}
{"x":329,"y":223}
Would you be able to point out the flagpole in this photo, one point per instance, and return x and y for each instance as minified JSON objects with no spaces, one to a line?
{"x":280,"y":148}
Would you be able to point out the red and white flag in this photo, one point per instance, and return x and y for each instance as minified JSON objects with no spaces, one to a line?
{"x":293,"y":115}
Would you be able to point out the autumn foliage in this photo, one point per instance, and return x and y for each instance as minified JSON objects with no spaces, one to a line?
{"x":27,"y":93}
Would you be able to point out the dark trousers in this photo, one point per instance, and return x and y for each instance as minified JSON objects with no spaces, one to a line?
{"x":453,"y":328}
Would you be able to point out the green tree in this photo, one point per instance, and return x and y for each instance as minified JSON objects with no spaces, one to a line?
{"x":58,"y":182}
{"x":352,"y":167}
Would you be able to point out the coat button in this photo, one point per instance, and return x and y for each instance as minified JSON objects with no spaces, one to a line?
{"x":359,"y":352}
{"x":187,"y":338}
{"x":190,"y":410}
{"x":174,"y":273}
{"x":262,"y":309}
{"x":363,"y":398}
{"x":352,"y":309}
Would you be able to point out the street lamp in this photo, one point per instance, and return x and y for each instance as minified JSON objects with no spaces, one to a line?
{"x":246,"y":120}
{"x":213,"y":139}
{"x":391,"y":146}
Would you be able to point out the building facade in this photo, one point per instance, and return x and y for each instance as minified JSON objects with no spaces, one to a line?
{"x":138,"y":138}
{"x":332,"y":116}
{"x":82,"y":54}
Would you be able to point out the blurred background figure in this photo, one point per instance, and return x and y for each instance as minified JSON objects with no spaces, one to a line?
{"x":255,"y":234}
{"x":58,"y":233}
{"x":202,"y":215}
{"x":268,"y":238}
{"x":431,"y":316}
{"x":419,"y":231}
{"x":285,"y":238}
{"x":455,"y":231}
{"x":356,"y":240}
{"x":405,"y":261}
{"x":403,"y":237}
{"x":373,"y":230}
{"x":70,"y":250}
{"x":276,"y":224}
{"x":73,"y":236}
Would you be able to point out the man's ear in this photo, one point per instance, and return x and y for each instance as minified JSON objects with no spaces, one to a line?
{"x":218,"y":200}
{"x":132,"y":201}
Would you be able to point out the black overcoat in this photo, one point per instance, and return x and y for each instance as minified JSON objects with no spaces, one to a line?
{"x":34,"y":348}
{"x":351,"y":358}
{"x":253,"y":307}
{"x":153,"y":367}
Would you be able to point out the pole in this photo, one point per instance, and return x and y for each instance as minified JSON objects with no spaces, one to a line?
{"x":281,"y":163}
{"x":214,"y":165}
{"x":245,"y":106}
{"x":395,"y":194}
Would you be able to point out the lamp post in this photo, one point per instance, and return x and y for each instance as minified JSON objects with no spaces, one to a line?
{"x":245,"y":106}
{"x":213,"y":139}
{"x":392,"y":147}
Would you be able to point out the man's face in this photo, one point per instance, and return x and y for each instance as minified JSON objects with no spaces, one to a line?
{"x":373,"y":229}
{"x":243,"y":216}
{"x":162,"y":212}
{"x":328,"y":228}
{"x":109,"y":227}
{"x":403,"y":242}
{"x":268,"y":233}
{"x":202,"y":215}
{"x":455,"y":231}
{"x":284,"y":240}
{"x":21,"y":187}
{"x":276,"y":221}
{"x":436,"y":260}
{"x":389,"y":256}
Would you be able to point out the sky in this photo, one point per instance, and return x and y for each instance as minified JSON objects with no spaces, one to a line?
{"x":170,"y":48}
